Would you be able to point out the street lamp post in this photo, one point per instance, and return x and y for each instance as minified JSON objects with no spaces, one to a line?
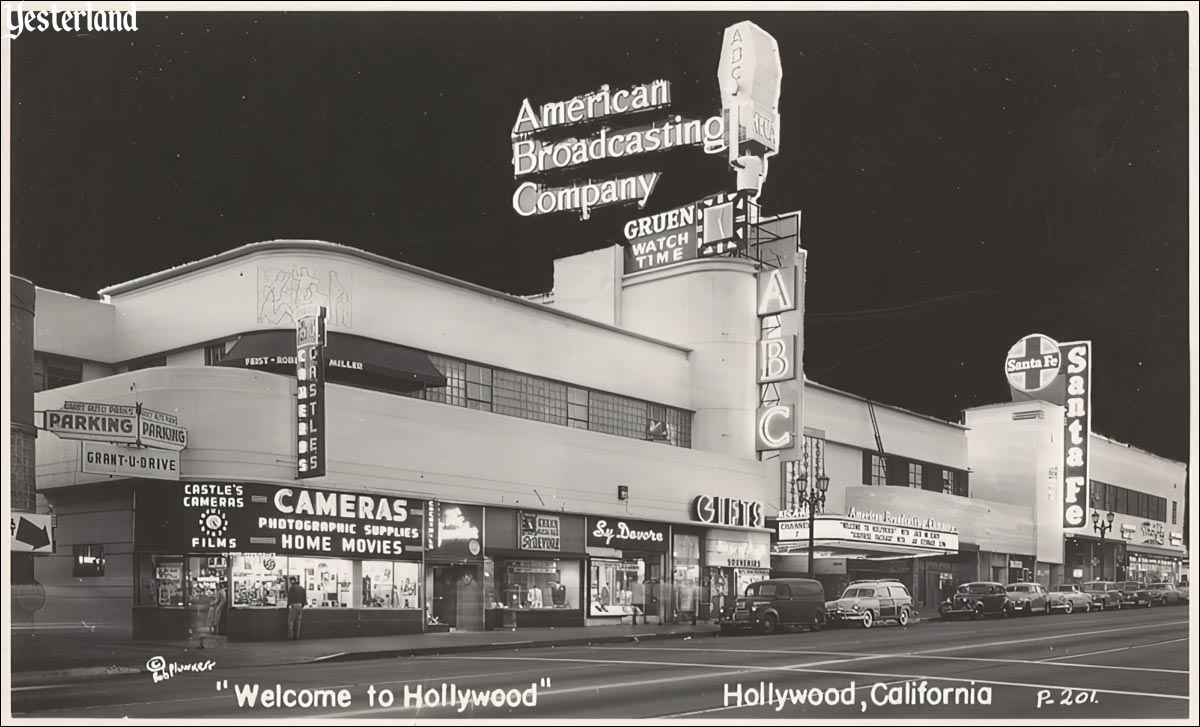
{"x":1102,"y":527}
{"x":814,"y":497}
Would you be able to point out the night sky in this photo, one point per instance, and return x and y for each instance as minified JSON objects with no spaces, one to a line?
{"x":965,"y":179}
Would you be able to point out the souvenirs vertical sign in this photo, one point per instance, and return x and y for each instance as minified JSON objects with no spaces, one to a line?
{"x":310,"y":395}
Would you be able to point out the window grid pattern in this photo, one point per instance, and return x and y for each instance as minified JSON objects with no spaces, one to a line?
{"x":914,"y":475}
{"x":532,"y":397}
{"x":878,"y":471}
{"x":617,"y":415}
{"x":1125,"y":501}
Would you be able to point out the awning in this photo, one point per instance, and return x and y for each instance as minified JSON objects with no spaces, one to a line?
{"x":346,"y":358}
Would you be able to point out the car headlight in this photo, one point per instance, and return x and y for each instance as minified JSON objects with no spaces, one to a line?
{"x":856,"y":607}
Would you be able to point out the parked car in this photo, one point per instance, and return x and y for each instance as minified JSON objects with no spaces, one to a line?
{"x":1028,"y":598}
{"x":1105,"y":594}
{"x":776,"y":603}
{"x":1166,"y":594}
{"x":1069,"y":598}
{"x":977,"y":600}
{"x":1184,"y":590}
{"x":1134,"y":593}
{"x":869,"y":602}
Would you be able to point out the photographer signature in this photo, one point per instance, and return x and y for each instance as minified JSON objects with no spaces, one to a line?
{"x":161,"y":671}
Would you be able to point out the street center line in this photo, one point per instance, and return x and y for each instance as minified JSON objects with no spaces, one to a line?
{"x":860,"y":656}
{"x":1109,"y":651}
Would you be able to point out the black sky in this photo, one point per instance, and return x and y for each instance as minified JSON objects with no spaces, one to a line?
{"x":965,"y":178}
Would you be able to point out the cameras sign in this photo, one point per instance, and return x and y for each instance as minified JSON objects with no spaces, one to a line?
{"x":1032,"y":363}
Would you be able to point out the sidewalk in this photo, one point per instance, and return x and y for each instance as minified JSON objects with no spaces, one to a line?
{"x":39,"y":657}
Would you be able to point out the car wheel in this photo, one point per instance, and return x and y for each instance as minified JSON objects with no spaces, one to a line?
{"x":1068,"y":607}
{"x":1028,"y":608}
{"x":818,"y":621}
{"x":1047,"y":610}
{"x":768,"y":625}
{"x":1150,"y":603}
{"x":904,"y":617}
{"x":977,"y":612}
{"x":1118,"y":604}
{"x":1006,"y":610}
{"x":868,"y":619}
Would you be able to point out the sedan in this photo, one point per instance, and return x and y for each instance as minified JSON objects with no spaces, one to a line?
{"x":1165,"y":594}
{"x":1068,"y":598}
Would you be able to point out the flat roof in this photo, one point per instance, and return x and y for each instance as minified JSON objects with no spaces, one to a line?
{"x":902,"y":410}
{"x":1110,"y":440}
{"x":331,"y":247}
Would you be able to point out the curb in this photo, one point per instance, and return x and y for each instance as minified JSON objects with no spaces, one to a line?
{"x":39,"y":678}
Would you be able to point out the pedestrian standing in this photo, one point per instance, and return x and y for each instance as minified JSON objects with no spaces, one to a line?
{"x":297,"y":597}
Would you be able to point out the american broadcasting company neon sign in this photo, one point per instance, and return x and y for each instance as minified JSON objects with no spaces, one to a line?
{"x":532,"y":154}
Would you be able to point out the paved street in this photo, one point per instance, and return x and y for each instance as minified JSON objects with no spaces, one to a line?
{"x":1122,"y":664}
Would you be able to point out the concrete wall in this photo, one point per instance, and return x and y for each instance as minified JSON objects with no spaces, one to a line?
{"x":589,"y":285}
{"x":241,"y":428}
{"x":846,"y":420}
{"x":1020,"y":462}
{"x":77,"y":327}
{"x":99,"y":517}
{"x":993,"y":526}
{"x":264,"y":288}
{"x":707,"y":306}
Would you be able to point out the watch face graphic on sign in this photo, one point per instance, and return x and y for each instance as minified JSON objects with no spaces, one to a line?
{"x":474,"y":547}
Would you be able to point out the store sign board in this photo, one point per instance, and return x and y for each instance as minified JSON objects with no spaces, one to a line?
{"x":117,"y":424}
{"x":661,"y":239}
{"x":834,"y":529}
{"x":1077,"y":431}
{"x":1032,"y":363}
{"x":159,"y":430}
{"x":102,"y":458}
{"x":612,"y":532}
{"x":540,"y":532}
{"x":310,"y":395}
{"x":454,"y":530}
{"x":728,"y":511}
{"x":780,"y":295}
{"x":221,"y":517}
{"x":96,"y":422}
{"x":722,"y":553}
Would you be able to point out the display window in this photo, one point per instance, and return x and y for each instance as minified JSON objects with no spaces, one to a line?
{"x":161,"y":580}
{"x":390,"y":584}
{"x":616,"y":587}
{"x":260,"y":580}
{"x":535,"y":584}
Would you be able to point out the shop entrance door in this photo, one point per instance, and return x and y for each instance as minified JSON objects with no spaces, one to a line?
{"x":933,"y":591}
{"x":458,"y":596}
{"x":207,"y":595}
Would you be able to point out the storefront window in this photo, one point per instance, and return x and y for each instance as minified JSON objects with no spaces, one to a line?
{"x":259,"y":580}
{"x":534,"y":584}
{"x":687,"y":573}
{"x":617,"y":587}
{"x":160,"y":581}
{"x":390,"y":585}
